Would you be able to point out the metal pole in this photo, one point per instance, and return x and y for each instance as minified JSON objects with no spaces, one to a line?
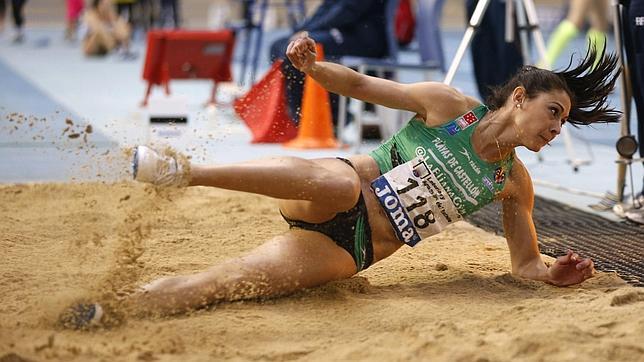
{"x":509,"y":21}
{"x":625,"y":96}
{"x":524,"y":27}
{"x":475,"y":22}
{"x":533,"y":22}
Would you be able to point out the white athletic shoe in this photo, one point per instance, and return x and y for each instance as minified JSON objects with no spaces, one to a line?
{"x":160,"y":170}
{"x":631,"y":209}
{"x":635,"y":215}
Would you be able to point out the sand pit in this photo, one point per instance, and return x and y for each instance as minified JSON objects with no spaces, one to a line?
{"x":451,"y":298}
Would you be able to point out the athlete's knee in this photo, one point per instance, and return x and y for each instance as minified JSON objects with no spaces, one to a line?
{"x":342,"y":190}
{"x":328,"y":185}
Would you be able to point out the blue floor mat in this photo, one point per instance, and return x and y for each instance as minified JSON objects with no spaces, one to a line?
{"x":41,"y":140}
{"x":30,"y":118}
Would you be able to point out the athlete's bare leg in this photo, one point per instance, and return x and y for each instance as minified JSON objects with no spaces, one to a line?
{"x":311,"y":190}
{"x":295,"y":260}
{"x":598,"y":15}
{"x":328,"y":183}
{"x":578,"y":12}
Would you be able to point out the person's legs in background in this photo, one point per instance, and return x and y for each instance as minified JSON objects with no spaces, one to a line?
{"x":3,"y":14}
{"x":176,"y":14}
{"x":17,"y":10}
{"x":567,"y":30}
{"x":633,"y":19}
{"x":122,"y":33}
{"x":169,"y":13}
{"x":580,"y":10}
{"x":125,"y":10}
{"x":74,"y":9}
{"x":598,"y":16}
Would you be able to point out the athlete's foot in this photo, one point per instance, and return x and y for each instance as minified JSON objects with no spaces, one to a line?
{"x":82,"y":316}
{"x":152,"y":167}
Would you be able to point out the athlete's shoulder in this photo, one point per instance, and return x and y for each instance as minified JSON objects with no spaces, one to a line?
{"x":448,"y":104}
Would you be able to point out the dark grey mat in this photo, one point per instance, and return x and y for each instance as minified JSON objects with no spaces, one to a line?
{"x":613,"y":246}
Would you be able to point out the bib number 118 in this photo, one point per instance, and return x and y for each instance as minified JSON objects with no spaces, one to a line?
{"x":421,"y":220}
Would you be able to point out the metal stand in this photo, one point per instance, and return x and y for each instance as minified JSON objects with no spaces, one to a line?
{"x":528,"y":21}
{"x":625,"y":129}
{"x":626,"y":145}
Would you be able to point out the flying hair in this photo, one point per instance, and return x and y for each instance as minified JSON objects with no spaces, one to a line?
{"x":588,"y":85}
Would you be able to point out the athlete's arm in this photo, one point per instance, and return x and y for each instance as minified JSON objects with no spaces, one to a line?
{"x":430,"y":100}
{"x":521,"y":236}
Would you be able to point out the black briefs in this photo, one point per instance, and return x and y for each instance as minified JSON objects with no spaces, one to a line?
{"x":350,"y":230}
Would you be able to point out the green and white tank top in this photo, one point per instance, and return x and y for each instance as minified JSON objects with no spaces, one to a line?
{"x":431,"y":176}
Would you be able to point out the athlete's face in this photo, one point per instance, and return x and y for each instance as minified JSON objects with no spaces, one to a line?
{"x":539,"y":119}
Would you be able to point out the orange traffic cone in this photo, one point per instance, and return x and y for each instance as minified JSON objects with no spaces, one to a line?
{"x":263,"y":109}
{"x":316,"y":124}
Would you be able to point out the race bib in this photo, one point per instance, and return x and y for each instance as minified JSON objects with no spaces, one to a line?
{"x":415,"y":202}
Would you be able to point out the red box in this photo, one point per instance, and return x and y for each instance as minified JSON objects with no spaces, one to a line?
{"x":188,"y":54}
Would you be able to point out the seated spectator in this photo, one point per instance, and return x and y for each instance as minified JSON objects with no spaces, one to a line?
{"x":343,"y":27}
{"x":105,"y":31}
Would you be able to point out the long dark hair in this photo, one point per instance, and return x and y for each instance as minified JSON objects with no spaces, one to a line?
{"x":588,"y":86}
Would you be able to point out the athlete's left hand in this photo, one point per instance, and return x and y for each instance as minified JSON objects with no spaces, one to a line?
{"x":570,"y":269}
{"x":301,"y":52}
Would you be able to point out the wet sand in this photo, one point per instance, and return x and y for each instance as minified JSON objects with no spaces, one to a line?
{"x":449,"y":299}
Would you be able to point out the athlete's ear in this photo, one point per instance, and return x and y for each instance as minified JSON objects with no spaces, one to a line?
{"x":519,"y":95}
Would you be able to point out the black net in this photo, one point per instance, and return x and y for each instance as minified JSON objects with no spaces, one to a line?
{"x":613,"y":246}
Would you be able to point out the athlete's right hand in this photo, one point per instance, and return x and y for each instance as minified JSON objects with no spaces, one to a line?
{"x":301,"y":52}
{"x":570,"y":269}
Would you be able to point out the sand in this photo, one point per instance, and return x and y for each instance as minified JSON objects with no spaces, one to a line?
{"x":449,"y":299}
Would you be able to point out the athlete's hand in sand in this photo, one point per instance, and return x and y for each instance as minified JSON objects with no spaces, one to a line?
{"x":570,"y":269}
{"x":301,"y":52}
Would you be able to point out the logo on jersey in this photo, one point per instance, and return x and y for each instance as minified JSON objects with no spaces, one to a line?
{"x":452,"y":128}
{"x":461,"y":123}
{"x":465,"y":153}
{"x":499,"y":175}
{"x":488,"y":183}
{"x":471,"y":162}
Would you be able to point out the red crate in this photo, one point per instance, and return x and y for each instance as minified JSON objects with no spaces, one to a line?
{"x":188,"y":54}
